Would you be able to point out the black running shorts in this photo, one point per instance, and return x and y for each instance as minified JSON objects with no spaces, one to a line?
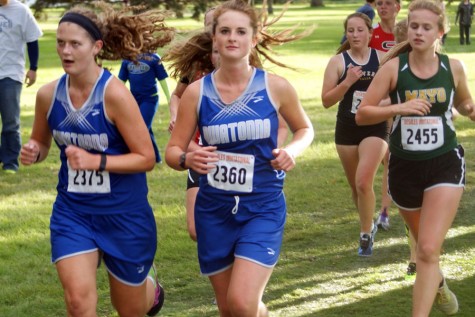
{"x":349,"y":134}
{"x":408,"y":179}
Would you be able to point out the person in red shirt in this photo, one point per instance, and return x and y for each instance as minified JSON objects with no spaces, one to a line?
{"x":383,"y":37}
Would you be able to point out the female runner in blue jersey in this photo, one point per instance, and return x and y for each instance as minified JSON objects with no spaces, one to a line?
{"x":240,"y":208}
{"x":142,"y":76}
{"x":426,"y":164}
{"x":101,"y":210}
{"x":200,"y":59}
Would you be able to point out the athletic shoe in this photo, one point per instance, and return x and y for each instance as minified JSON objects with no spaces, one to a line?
{"x":383,"y":220}
{"x":366,"y":242}
{"x":411,"y":271}
{"x":373,"y":231}
{"x":366,"y":247}
{"x":9,"y":171}
{"x":159,"y":293}
{"x":446,"y":301}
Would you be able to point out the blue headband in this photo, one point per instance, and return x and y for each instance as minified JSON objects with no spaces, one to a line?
{"x":84,"y":22}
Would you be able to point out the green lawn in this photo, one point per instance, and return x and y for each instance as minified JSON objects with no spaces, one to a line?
{"x":319,"y":273}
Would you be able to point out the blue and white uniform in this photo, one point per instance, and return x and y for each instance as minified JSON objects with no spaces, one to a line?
{"x":240,"y":209}
{"x":143,"y":77}
{"x":98,"y":210}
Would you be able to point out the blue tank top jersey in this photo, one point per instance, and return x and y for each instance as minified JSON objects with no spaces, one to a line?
{"x":349,"y":104}
{"x":89,"y":128}
{"x":245,"y":133}
{"x":143,"y":75}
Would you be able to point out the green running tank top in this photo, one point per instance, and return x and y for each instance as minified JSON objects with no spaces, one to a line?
{"x":424,"y":137}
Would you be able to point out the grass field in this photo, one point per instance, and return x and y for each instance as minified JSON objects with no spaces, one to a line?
{"x":319,"y":272}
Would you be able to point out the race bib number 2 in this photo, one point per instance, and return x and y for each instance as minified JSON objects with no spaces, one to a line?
{"x":357,"y":97}
{"x":233,"y":172}
{"x":91,"y":182}
{"x":422,"y":134}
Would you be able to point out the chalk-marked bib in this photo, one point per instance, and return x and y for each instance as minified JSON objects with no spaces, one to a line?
{"x":422,"y":134}
{"x":91,"y":182}
{"x":357,"y":97}
{"x":233,"y":172}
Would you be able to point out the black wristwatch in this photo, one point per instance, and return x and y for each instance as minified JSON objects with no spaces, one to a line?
{"x":182,"y":160}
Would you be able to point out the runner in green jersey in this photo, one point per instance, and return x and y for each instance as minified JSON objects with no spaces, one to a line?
{"x":426,"y":165}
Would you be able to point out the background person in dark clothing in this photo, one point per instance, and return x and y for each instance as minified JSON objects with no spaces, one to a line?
{"x":464,"y":17}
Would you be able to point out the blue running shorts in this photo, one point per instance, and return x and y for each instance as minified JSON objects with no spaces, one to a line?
{"x":246,"y":226}
{"x":128,"y":240}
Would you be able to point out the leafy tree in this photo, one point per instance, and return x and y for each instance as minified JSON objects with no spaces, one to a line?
{"x":177,"y":6}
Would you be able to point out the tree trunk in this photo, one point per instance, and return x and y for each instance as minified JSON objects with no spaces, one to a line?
{"x":316,"y":3}
{"x":270,"y":7}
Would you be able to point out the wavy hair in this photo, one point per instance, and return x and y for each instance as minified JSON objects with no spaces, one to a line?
{"x":127,"y":34}
{"x":189,"y":57}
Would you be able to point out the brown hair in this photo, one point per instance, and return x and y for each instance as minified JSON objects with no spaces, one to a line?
{"x":260,"y":27}
{"x":346,"y":45}
{"x":191,"y":56}
{"x":126,"y":35}
{"x":188,"y":57}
